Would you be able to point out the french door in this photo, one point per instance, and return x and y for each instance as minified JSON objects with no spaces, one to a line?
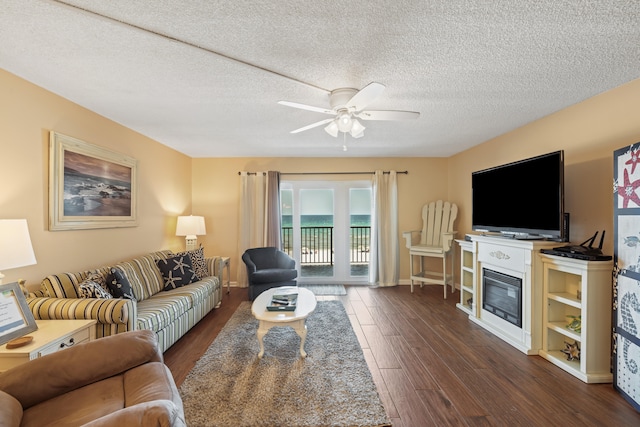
{"x":326,"y":229}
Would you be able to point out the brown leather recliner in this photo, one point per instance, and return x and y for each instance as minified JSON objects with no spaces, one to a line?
{"x":119,"y":380}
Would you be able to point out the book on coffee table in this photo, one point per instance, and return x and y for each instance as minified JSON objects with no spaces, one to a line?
{"x":283,"y":301}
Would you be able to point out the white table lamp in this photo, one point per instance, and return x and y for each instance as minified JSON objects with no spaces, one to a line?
{"x":191,"y":227}
{"x":15,"y":245}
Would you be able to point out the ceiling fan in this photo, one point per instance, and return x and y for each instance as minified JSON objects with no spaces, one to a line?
{"x":348,"y":105}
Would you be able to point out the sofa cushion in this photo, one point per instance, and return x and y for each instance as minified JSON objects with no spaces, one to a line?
{"x":198,"y":291}
{"x":96,"y":400}
{"x":63,"y":285}
{"x":143,"y":275}
{"x":198,"y":261}
{"x":269,"y":275}
{"x":160,"y":311}
{"x":177,"y":271}
{"x":119,"y":285}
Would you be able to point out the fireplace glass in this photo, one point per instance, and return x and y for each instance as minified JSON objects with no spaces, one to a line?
{"x":502,"y":296}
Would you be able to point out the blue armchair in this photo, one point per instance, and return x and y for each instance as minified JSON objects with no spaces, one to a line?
{"x":268,"y":268}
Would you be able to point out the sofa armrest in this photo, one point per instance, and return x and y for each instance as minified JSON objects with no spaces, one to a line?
{"x":248,"y":262}
{"x":66,"y":370}
{"x":11,"y":413}
{"x":147,"y":414}
{"x":215,"y":266}
{"x":284,"y":260}
{"x":115,"y":311}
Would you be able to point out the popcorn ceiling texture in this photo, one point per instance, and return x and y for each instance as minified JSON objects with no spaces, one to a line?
{"x":204,"y":76}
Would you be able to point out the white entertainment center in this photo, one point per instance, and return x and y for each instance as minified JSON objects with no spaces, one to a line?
{"x":534,"y":293}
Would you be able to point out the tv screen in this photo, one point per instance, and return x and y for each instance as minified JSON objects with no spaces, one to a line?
{"x":524,"y":199}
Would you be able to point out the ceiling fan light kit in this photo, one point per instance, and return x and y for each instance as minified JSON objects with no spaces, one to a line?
{"x":348,"y":105}
{"x":332,"y":129}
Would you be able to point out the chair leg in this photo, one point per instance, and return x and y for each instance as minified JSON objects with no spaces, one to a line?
{"x":444,"y":274}
{"x":453,"y":281}
{"x":411,"y":271}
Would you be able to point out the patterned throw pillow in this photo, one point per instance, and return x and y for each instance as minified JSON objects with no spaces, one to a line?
{"x":198,"y":262}
{"x":119,"y":285}
{"x":177,"y":271}
{"x":91,"y":288}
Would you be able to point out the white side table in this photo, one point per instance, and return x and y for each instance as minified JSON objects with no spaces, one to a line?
{"x":51,"y":336}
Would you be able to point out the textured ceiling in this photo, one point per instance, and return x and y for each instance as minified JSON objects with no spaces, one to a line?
{"x":204,"y":76}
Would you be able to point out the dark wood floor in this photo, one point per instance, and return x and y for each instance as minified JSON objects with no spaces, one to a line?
{"x":434,"y":367}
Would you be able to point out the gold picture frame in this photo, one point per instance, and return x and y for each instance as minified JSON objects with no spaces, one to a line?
{"x":90,"y":186}
{"x":16,"y":320}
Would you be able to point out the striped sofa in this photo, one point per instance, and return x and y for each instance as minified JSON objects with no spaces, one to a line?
{"x":170,"y":314}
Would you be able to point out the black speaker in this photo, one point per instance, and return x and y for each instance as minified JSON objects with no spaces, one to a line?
{"x":565,"y":227}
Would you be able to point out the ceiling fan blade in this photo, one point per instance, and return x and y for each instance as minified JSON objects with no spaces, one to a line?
{"x":312,"y":125}
{"x":365,"y":96}
{"x":387,"y":115}
{"x":306,"y":107}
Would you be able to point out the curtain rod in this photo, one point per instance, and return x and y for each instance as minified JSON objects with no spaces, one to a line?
{"x":329,"y":173}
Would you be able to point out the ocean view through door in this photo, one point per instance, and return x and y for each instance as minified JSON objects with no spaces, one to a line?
{"x":326,"y":229}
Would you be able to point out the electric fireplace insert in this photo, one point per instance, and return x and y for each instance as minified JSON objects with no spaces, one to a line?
{"x":502,"y":296}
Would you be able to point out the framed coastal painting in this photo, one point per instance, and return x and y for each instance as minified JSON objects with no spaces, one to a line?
{"x":89,"y":186}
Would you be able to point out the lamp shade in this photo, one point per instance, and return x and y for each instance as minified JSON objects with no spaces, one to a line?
{"x":191,"y":226}
{"x":15,"y":245}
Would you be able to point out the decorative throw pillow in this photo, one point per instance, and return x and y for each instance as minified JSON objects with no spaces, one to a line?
{"x":119,"y":285}
{"x":198,"y":262}
{"x":90,"y":288}
{"x":177,"y":271}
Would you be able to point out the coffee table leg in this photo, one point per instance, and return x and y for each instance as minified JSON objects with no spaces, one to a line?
{"x":262,"y":331}
{"x":301,"y":330}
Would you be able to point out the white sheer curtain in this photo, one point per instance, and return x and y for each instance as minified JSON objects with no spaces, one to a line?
{"x":259,"y":223}
{"x":384,"y":261}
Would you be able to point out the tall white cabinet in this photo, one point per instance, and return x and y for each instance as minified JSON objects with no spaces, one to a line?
{"x":553,"y":289}
{"x":573,"y":288}
{"x":467,"y":277}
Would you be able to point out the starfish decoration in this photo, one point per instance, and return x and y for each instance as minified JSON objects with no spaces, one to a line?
{"x":181,"y":265}
{"x":634,"y":160}
{"x":571,"y":350}
{"x":172,"y":281}
{"x":628,"y":191}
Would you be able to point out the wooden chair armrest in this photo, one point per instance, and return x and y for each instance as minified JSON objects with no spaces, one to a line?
{"x":408,"y":236}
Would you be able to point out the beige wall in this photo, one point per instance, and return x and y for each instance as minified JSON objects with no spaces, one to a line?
{"x":588,"y":133}
{"x":27,"y":114}
{"x":216,"y":187}
{"x":170,"y":183}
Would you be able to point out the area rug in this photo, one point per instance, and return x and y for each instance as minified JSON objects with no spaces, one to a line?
{"x":325,"y":289}
{"x":332,"y":386}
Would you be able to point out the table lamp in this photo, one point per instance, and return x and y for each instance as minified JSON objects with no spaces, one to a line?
{"x":15,"y":245}
{"x":191,"y":227}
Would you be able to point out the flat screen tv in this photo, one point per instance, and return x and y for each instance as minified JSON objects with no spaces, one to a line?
{"x":523,"y":199}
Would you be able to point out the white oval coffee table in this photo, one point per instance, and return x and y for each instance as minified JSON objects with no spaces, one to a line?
{"x":296,"y":319}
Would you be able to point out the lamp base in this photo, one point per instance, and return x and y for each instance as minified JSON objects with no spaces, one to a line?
{"x":191,"y":244}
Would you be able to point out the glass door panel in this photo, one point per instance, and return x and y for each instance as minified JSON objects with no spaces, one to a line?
{"x":316,"y":232}
{"x":359,"y":231}
{"x":326,"y":229}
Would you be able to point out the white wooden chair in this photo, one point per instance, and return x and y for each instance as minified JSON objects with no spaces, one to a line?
{"x":435,"y":240}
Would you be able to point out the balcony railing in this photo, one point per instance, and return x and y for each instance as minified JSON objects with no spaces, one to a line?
{"x":317,"y":244}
